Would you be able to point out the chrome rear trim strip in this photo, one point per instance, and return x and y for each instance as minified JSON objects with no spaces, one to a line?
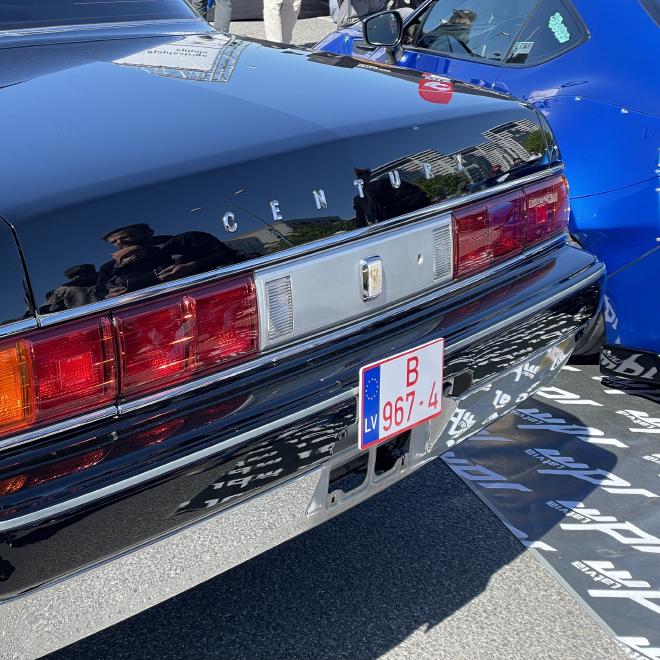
{"x":277,"y":424}
{"x":286,"y":255}
{"x":323,"y":287}
{"x":60,"y":427}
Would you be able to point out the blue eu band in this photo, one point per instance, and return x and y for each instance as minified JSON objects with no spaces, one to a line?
{"x":371,"y":405}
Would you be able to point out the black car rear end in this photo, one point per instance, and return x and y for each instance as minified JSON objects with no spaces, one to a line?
{"x":162,"y":424}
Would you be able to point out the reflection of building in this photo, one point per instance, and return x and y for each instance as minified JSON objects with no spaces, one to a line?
{"x":301,"y":231}
{"x":510,"y":138}
{"x":414,"y":164}
{"x":212,"y":58}
{"x":504,"y":148}
{"x":261,"y":241}
{"x":255,"y":243}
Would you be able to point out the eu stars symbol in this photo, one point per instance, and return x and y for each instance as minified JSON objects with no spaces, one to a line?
{"x":372,"y":388}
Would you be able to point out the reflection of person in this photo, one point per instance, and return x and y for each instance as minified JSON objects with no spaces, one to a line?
{"x":81,"y":289}
{"x":142,"y":258}
{"x":381,"y":201}
{"x":133,"y":268}
{"x":222,"y":16}
{"x":280,"y":16}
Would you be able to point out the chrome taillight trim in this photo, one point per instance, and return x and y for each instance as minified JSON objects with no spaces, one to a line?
{"x":17,"y":326}
{"x":292,"y":253}
{"x":59,"y":427}
{"x":283,"y":353}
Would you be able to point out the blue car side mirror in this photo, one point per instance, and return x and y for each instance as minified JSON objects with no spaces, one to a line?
{"x":384,"y":29}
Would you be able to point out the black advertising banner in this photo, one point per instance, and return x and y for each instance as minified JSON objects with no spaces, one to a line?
{"x":574,"y":473}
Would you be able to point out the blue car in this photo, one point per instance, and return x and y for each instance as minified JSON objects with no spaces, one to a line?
{"x":592,"y":69}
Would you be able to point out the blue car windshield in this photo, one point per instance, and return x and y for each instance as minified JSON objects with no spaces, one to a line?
{"x":478,"y":28}
{"x":28,"y":14}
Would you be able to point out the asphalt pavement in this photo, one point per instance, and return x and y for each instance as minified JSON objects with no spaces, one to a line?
{"x":424,"y":570}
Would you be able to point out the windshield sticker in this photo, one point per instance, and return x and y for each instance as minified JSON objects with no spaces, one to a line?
{"x":522,"y":48}
{"x":556,"y":24}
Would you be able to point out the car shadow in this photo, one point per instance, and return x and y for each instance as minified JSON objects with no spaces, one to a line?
{"x":356,"y":586}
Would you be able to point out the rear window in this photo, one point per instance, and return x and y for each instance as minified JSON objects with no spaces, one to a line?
{"x":553,"y":29}
{"x":26,"y":14}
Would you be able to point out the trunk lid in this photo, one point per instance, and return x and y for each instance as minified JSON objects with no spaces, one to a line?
{"x":214,"y":150}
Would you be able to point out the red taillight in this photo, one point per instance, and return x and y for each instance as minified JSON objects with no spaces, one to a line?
{"x":157,"y":345}
{"x":226,"y":322}
{"x":474,"y":250}
{"x":49,"y":375}
{"x":507,"y":224}
{"x":547,"y":209}
{"x":73,"y":369}
{"x":503,"y":226}
{"x":164,"y":343}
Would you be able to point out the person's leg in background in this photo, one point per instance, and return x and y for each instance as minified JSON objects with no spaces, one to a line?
{"x":290,"y":11}
{"x":200,"y":7}
{"x":334,"y":9}
{"x":273,"y":20}
{"x":222,"y":15}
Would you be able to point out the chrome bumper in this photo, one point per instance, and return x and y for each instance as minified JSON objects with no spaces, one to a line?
{"x":63,"y":612}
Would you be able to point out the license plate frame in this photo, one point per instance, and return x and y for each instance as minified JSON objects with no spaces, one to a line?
{"x":384,"y":393}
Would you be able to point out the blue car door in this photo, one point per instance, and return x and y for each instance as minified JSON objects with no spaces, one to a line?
{"x":464,"y":39}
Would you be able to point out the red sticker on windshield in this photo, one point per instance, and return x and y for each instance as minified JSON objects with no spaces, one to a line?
{"x":435,"y":89}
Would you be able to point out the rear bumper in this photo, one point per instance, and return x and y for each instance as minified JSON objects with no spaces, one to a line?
{"x":209,"y":479}
{"x":69,"y":610}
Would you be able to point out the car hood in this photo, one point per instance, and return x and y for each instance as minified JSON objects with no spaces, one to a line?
{"x":225,"y":150}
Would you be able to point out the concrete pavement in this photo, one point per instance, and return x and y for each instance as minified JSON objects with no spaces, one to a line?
{"x":424,"y":570}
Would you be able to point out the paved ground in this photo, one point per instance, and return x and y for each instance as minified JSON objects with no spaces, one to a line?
{"x":424,"y":570}
{"x":307,"y":31}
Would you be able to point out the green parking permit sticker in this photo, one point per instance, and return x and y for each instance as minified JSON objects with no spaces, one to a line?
{"x":556,"y":24}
